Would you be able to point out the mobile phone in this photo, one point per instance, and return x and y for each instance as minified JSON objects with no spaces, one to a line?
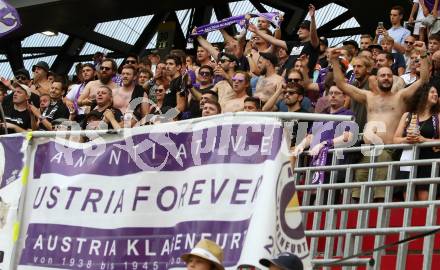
{"x":380,"y":24}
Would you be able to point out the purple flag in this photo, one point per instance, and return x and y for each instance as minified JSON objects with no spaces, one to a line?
{"x":9,"y":19}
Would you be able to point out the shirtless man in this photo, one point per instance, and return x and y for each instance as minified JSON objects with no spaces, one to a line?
{"x":269,"y":81}
{"x":384,"y":108}
{"x":123,"y":95}
{"x":41,"y":84}
{"x":107,"y":70}
{"x":240,"y":83}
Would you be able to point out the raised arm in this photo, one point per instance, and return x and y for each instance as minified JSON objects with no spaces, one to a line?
{"x":208,"y":46}
{"x":268,"y":38}
{"x":314,"y":39}
{"x":424,"y":72}
{"x":354,"y":92}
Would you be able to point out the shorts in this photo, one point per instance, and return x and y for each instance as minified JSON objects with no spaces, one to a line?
{"x":380,"y":174}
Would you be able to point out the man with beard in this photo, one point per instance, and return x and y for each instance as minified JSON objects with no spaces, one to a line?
{"x":240,"y":84}
{"x":362,"y":67}
{"x":56,"y":108}
{"x":129,"y":91}
{"x":107,"y":70}
{"x":87,"y":74}
{"x":269,"y":81}
{"x":226,"y":70}
{"x":384,"y":109}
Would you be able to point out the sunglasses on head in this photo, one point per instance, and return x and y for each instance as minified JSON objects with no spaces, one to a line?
{"x":105,"y":68}
{"x":225,"y":60}
{"x":205,"y":73}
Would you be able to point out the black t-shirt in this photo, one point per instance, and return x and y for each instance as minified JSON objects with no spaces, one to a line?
{"x":194,"y":105}
{"x":138,"y":92}
{"x":170,"y":94}
{"x":298,"y":48}
{"x":54,"y":111}
{"x":19,"y":118}
{"x":100,"y":115}
{"x":399,"y":61}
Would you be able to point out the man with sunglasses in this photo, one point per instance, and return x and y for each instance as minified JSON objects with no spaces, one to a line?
{"x":107,"y":70}
{"x":132,"y":59}
{"x":225,"y":69}
{"x":240,"y":84}
{"x":409,"y":47}
{"x":205,"y":83}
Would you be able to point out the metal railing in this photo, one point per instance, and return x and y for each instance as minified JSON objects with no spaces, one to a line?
{"x":350,"y":240}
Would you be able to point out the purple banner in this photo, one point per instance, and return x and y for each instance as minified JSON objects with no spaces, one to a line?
{"x":12,"y":159}
{"x":9,"y":19}
{"x":71,"y":247}
{"x":243,"y":144}
{"x":241,"y":20}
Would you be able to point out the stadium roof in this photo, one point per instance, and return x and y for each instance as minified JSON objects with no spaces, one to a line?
{"x":119,"y":27}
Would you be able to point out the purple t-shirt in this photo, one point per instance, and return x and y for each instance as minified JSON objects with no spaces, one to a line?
{"x":328,"y":130}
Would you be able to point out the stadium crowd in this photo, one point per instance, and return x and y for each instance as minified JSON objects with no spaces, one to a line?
{"x":390,"y":83}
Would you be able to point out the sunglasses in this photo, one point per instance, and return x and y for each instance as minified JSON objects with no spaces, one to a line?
{"x":20,"y":78}
{"x":105,"y":68}
{"x":409,"y":42}
{"x":205,"y":73}
{"x":237,"y":80}
{"x":159,"y":90}
{"x":293,"y":80}
{"x":130,"y":62}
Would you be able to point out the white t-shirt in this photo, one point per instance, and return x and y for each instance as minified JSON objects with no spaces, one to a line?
{"x":73,"y":95}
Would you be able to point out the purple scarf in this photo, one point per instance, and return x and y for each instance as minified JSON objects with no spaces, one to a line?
{"x":319,"y":160}
{"x":241,"y":20}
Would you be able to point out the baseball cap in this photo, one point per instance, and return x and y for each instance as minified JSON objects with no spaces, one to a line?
{"x":285,"y":261}
{"x":24,"y":87}
{"x":351,"y":42}
{"x":270,"y":56}
{"x":42,"y":65}
{"x":305,"y":24}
